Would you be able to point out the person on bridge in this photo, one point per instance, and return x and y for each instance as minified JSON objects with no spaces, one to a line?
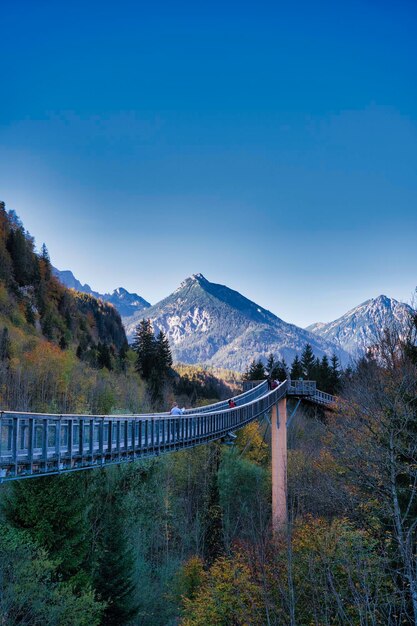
{"x":176,"y":410}
{"x":232,"y":403}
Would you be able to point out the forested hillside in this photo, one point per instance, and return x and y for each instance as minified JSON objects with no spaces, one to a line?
{"x":33,"y":299}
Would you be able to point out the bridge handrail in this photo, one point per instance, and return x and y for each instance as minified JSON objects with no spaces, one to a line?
{"x":221,"y":407}
{"x":38,"y":443}
{"x":324,"y":398}
{"x":302,"y":387}
{"x":240,"y":399}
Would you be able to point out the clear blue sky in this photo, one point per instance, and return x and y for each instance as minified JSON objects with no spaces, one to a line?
{"x":271,"y":146}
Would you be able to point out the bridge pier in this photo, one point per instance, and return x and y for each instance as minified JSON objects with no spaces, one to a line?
{"x":279,"y":464}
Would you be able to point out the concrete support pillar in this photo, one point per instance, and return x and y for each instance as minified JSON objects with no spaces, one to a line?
{"x":279,"y":465}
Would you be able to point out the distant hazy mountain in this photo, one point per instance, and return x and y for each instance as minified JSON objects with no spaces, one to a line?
{"x":126,"y":303}
{"x":212,"y":324}
{"x":68,"y":279}
{"x":361,"y":327}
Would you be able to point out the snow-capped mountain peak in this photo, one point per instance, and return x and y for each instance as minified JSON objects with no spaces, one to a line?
{"x":362,"y":326}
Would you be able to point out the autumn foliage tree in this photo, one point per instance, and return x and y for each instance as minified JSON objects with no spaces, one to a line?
{"x":373,"y":437}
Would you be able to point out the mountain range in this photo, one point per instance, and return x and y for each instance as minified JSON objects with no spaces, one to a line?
{"x":125,"y":302}
{"x":214,"y":325}
{"x":362,"y":326}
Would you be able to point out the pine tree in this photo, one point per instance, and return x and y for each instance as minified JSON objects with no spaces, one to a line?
{"x":296,"y":369}
{"x":256,"y":371}
{"x":315,"y":372}
{"x":153,"y":359}
{"x":163,"y":354}
{"x":308,"y":361}
{"x":5,"y":345}
{"x":46,"y":262}
{"x":144,"y":345}
{"x":270,"y":364}
{"x":45,"y":254}
{"x":20,"y":248}
{"x":335,"y":375}
{"x":53,"y":511}
{"x":279,"y":371}
{"x":324,"y":378}
{"x":114,"y":575}
{"x":161,"y":367}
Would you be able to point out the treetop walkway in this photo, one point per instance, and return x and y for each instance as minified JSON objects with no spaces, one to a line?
{"x":36,"y":444}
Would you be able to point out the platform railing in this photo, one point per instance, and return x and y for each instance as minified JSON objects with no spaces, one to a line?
{"x":36,"y":444}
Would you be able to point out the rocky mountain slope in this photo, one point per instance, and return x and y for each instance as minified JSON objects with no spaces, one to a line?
{"x":126,"y":303}
{"x":212,"y":324}
{"x":362,"y":326}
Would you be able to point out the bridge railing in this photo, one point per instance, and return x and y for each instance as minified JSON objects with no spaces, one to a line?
{"x":35,"y":444}
{"x":302,"y":387}
{"x":255,"y":391}
{"x":250,"y":384}
{"x":320,"y":397}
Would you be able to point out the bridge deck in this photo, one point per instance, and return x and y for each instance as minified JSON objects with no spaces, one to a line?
{"x":33,"y":444}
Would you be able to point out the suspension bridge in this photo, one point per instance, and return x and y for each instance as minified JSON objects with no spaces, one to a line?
{"x":38,"y":444}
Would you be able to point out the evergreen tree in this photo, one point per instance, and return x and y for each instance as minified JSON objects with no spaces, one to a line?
{"x":296,"y":369}
{"x":46,"y":261}
{"x":315,"y":372}
{"x":145,"y":347}
{"x":31,"y":591}
{"x":256,"y":371}
{"x":270,"y":364}
{"x":20,"y":248}
{"x":161,"y":367}
{"x":114,"y":574}
{"x":6,"y":266}
{"x":53,"y":510}
{"x":153,"y":359}
{"x":335,"y":376}
{"x":30,"y":314}
{"x":45,"y":254}
{"x":308,"y":361}
{"x":163,"y":354}
{"x":5,"y":345}
{"x":48,"y":324}
{"x":325,"y":373}
{"x":279,"y":371}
